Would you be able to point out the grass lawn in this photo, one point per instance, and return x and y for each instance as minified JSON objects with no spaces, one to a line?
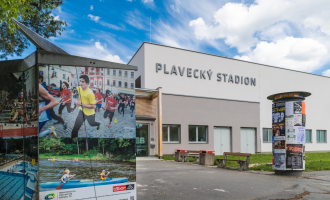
{"x":314,"y":161}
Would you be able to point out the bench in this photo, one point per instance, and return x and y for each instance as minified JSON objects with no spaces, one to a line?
{"x":244,"y":164}
{"x":193,"y":154}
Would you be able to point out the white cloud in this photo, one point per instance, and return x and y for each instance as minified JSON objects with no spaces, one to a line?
{"x":129,"y":0}
{"x":237,"y":23}
{"x":94,"y":18}
{"x":303,"y":54}
{"x":137,"y":20}
{"x":326,"y":73}
{"x":147,"y":1}
{"x":92,"y":8}
{"x":71,"y":31}
{"x":99,"y":46}
{"x":59,"y":9}
{"x":174,"y":8}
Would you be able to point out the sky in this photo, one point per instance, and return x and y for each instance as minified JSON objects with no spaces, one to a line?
{"x":293,"y":34}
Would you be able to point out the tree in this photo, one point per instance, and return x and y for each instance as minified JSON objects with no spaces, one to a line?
{"x":35,"y":14}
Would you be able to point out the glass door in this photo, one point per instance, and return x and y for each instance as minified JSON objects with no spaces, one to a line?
{"x":142,"y":142}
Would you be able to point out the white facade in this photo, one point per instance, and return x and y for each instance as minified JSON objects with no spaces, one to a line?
{"x":119,"y":81}
{"x":263,"y":81}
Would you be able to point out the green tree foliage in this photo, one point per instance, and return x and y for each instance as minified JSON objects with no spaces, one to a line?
{"x":122,"y":149}
{"x":35,"y":14}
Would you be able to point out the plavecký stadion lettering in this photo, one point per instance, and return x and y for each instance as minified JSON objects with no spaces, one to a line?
{"x":205,"y":74}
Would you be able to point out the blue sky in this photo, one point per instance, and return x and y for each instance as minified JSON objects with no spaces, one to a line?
{"x":293,"y":34}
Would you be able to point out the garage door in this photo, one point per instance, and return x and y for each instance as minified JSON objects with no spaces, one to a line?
{"x":221,"y":140}
{"x":248,"y":140}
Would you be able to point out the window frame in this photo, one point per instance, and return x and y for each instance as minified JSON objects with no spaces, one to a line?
{"x":132,"y":85}
{"x":125,"y":85}
{"x":119,"y":83}
{"x":113,"y":82}
{"x":132,"y":74}
{"x":125,"y":73}
{"x":168,"y":135}
{"x":311,"y":135}
{"x":120,"y":73}
{"x":114,"y":72}
{"x":271,"y":135}
{"x":197,"y":142}
{"x":108,"y":71}
{"x":318,"y":135}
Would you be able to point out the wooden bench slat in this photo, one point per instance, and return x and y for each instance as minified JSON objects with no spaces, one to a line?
{"x":232,"y":160}
{"x":192,"y":151}
{"x":236,"y":154}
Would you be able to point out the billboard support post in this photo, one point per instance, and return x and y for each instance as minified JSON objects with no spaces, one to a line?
{"x":288,"y":132}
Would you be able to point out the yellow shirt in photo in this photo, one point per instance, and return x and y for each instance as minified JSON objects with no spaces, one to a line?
{"x":86,"y":97}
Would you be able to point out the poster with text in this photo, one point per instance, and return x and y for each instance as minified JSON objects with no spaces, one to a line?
{"x":294,"y":156}
{"x":279,"y":161}
{"x":297,"y":120}
{"x":278,"y":129}
{"x":291,"y":135}
{"x":278,"y":112}
{"x":87,"y":102}
{"x":87,"y":168}
{"x":297,"y":106}
{"x":18,"y":136}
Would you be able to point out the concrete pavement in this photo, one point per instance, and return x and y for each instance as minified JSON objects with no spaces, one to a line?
{"x":169,"y":180}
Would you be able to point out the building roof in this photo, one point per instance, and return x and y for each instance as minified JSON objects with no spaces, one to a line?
{"x":221,"y":57}
{"x":38,"y":40}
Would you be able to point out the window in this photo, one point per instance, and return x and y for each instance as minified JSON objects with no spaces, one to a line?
{"x":125,"y":84}
{"x":321,"y":136}
{"x":119,"y":83}
{"x":64,"y":76}
{"x":114,"y":83}
{"x":267,"y":135}
{"x":95,"y":82}
{"x":126,"y":73}
{"x":308,"y":136}
{"x":114,"y":72}
{"x":119,"y":72}
{"x":132,"y":74}
{"x":171,"y":133}
{"x":100,"y":83}
{"x":198,"y":134}
{"x":55,"y":74}
{"x":132,"y":85}
{"x":108,"y":71}
{"x":108,"y":82}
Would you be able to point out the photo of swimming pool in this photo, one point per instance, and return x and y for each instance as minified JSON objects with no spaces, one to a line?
{"x":19,"y":184}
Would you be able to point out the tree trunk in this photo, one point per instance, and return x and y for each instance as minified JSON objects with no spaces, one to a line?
{"x":86,"y":144}
{"x":103,"y":149}
{"x":78,"y":146}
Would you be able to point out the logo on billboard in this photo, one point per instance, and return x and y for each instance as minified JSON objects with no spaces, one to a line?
{"x":50,"y":196}
{"x":130,"y":187}
{"x":119,"y":188}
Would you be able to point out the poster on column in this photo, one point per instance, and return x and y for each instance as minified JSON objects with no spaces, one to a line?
{"x":294,"y":156}
{"x":18,"y":135}
{"x":278,"y":112}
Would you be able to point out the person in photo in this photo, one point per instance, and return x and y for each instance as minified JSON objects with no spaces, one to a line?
{"x":121,"y":107}
{"x":86,"y":102}
{"x":46,"y":103}
{"x":111,"y":106}
{"x":22,"y":111}
{"x":132,"y":107}
{"x":66,"y":100}
{"x":66,"y":176}
{"x":98,"y":98}
{"x":103,"y":175}
{"x":50,"y":111}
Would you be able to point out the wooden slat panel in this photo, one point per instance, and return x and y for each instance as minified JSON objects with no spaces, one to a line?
{"x":146,"y":107}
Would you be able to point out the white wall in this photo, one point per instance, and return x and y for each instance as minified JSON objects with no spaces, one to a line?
{"x":139,"y":60}
{"x":269,"y":80}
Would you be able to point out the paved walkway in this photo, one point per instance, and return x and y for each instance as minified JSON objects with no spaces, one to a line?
{"x":168,"y":180}
{"x":122,"y":126}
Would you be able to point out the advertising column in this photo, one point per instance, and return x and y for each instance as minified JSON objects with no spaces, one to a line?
{"x":288,"y":128}
{"x":86,"y":135}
